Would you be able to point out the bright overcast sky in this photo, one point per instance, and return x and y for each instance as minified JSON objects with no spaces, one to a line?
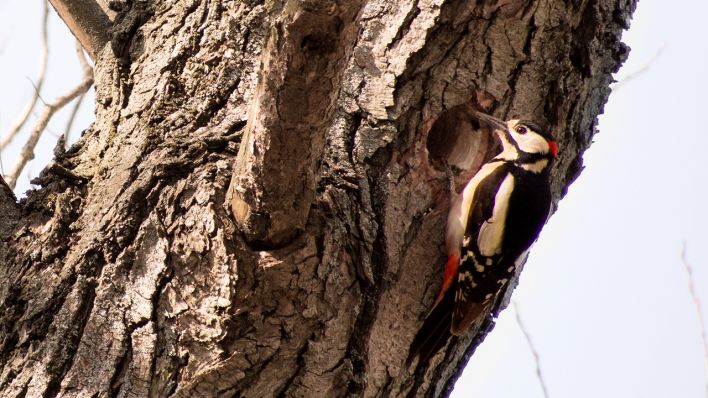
{"x":604,"y":294}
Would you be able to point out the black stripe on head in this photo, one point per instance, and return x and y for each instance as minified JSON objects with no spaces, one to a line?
{"x":537,"y":128}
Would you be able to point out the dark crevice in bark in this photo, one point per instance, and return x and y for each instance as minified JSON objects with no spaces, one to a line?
{"x":258,"y":245}
{"x":529,"y":37}
{"x":125,"y":26}
{"x":405,"y":25}
{"x":133,"y":217}
{"x":580,"y":56}
{"x":61,"y":362}
{"x":23,"y":392}
{"x":14,"y":306}
{"x":40,"y":318}
{"x":174,"y":381}
{"x":553,"y":103}
{"x":438,"y":39}
{"x":529,"y":8}
{"x":357,"y":350}
{"x":122,"y":366}
{"x":355,"y":123}
{"x":162,"y":283}
{"x":300,"y":361}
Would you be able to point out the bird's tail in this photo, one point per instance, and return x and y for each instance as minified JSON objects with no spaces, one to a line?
{"x":435,"y":332}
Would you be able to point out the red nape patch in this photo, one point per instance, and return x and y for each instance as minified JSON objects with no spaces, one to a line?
{"x":453,"y":262}
{"x":553,"y":148}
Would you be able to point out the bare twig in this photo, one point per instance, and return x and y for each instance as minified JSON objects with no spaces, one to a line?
{"x":72,"y":116}
{"x":697,"y":305}
{"x":536,"y":357}
{"x":43,"y":55}
{"x":644,"y":69}
{"x":48,"y":111}
{"x":87,"y":69}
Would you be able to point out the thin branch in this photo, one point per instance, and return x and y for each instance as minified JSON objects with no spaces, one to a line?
{"x":43,"y":56}
{"x":644,"y":69}
{"x":87,"y":69}
{"x":536,"y":357}
{"x":48,"y":111}
{"x":697,"y":305}
{"x":72,"y":116}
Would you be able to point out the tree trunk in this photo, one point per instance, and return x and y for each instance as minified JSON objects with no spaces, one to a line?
{"x":154,"y":273}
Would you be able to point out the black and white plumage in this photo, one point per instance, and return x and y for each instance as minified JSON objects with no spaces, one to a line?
{"x":490,"y":227}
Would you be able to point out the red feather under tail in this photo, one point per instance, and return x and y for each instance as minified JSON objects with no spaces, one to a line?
{"x":450,"y":277}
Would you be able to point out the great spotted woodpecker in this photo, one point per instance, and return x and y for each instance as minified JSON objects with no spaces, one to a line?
{"x":490,"y":227}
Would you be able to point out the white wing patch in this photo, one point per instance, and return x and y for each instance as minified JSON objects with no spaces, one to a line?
{"x":457,"y":217}
{"x":491,"y":233}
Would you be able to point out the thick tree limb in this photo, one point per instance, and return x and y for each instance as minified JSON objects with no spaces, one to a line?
{"x":88,"y":20}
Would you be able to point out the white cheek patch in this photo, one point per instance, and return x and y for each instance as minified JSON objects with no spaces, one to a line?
{"x":491,"y":233}
{"x":531,"y":142}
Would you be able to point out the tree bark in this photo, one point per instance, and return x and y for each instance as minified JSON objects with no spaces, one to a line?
{"x":154,"y":273}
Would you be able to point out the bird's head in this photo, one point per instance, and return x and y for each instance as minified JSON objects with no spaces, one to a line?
{"x":519,"y":137}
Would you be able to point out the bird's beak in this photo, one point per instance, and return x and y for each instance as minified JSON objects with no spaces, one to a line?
{"x":491,"y":121}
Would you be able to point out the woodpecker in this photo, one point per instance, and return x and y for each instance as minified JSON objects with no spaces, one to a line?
{"x":490,"y":228}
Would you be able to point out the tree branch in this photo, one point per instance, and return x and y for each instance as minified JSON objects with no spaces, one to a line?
{"x":699,"y":313}
{"x":27,"y":152}
{"x":644,"y":69}
{"x":88,"y":20}
{"x":85,"y":66}
{"x":536,"y":356}
{"x":43,"y":55}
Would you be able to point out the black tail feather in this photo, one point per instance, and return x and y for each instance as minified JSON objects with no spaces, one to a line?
{"x":434,"y":333}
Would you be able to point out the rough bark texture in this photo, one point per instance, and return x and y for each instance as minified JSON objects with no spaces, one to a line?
{"x":138,"y":280}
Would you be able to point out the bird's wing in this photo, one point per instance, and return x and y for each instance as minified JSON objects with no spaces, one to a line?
{"x":481,"y":247}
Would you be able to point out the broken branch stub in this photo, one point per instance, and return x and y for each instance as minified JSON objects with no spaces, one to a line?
{"x":273,"y":182}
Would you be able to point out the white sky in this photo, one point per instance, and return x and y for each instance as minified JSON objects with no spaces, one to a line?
{"x":604,"y":294}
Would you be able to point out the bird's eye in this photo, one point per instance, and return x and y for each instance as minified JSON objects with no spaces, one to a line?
{"x":521,"y":130}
